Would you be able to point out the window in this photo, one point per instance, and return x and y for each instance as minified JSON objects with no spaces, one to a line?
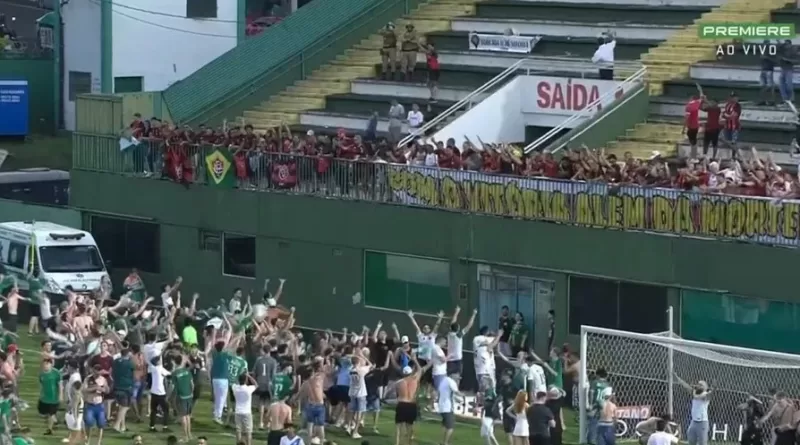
{"x":201,"y":9}
{"x":740,"y":321}
{"x":70,"y":259}
{"x":406,"y":283}
{"x":616,"y":305}
{"x":128,"y":84}
{"x":14,"y":254}
{"x":239,"y":255}
{"x":79,"y":83}
{"x":128,"y":243}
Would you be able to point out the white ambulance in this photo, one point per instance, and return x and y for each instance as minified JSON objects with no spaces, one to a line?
{"x":60,"y":255}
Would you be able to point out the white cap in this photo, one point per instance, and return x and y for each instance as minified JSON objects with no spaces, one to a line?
{"x":147,"y":313}
{"x":122,"y":333}
{"x":365,"y":351}
{"x":404,"y":339}
{"x":310,"y":133}
{"x":407,"y":370}
{"x":315,"y":440}
{"x":655,"y":154}
{"x":216,"y":322}
{"x":271,"y":302}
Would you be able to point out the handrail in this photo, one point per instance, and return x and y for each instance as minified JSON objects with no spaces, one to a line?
{"x":242,"y":92}
{"x":457,"y":106}
{"x":590,"y":108}
{"x":592,"y":124}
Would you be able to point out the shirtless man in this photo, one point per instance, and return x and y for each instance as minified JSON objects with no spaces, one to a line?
{"x":606,"y":425}
{"x":406,"y":412}
{"x":782,"y":412}
{"x":279,"y":415}
{"x":83,"y":323}
{"x":314,"y":408}
{"x":13,"y":304}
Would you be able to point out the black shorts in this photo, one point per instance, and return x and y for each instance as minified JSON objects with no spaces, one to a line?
{"x":691,"y":134}
{"x":406,"y":412}
{"x":539,"y":440}
{"x":339,"y":394}
{"x":710,"y":139}
{"x":448,"y":420}
{"x":123,"y":397}
{"x":433,"y":75}
{"x":48,"y":409}
{"x":11,"y":323}
{"x":428,"y":376}
{"x":274,"y":437}
{"x":455,"y":367}
{"x":262,"y":394}
{"x":508,"y":424}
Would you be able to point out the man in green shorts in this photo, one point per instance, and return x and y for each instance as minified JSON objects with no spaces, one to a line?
{"x":5,"y":411}
{"x":50,"y":394}
{"x":183,"y":384}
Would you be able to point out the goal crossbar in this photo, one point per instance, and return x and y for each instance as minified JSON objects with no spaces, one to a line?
{"x":739,"y":356}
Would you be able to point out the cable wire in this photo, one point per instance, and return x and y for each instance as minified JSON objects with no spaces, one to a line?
{"x":170,"y":28}
{"x":166,"y":14}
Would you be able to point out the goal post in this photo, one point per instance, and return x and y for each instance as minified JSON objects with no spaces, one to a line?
{"x":646,"y":372}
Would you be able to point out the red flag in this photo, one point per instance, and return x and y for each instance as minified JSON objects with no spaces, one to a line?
{"x":284,"y":174}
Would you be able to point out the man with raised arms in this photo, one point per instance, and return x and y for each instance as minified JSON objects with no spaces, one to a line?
{"x":314,"y":396}
{"x":406,"y":411}
{"x":279,"y":415}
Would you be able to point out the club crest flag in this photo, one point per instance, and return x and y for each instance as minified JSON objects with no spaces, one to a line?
{"x":219,"y":165}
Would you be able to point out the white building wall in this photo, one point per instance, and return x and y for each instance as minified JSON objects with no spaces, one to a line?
{"x":162,"y":45}
{"x":82,"y":51}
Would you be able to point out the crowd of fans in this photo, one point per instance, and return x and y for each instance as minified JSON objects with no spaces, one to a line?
{"x":260,"y":158}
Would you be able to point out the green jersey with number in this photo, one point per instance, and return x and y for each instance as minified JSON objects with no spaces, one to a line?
{"x":596,"y":393}
{"x":281,"y":387}
{"x":182,"y":379}
{"x":236,"y":367}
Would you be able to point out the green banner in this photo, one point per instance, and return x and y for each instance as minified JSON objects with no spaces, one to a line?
{"x":221,"y":169}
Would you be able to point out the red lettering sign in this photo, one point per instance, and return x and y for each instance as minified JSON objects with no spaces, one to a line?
{"x":569,"y":95}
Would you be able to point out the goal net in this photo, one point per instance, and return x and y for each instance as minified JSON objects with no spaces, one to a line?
{"x":645,"y":371}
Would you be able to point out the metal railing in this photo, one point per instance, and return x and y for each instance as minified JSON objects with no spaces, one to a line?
{"x":593,"y":204}
{"x":467,"y":100}
{"x":590,"y":109}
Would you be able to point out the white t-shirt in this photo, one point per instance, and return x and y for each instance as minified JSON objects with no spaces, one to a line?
{"x":661,"y":438}
{"x":166,"y":299}
{"x":243,"y":394}
{"x":358,"y":388}
{"x":700,"y":409}
{"x":431,"y":160}
{"x":455,"y":346}
{"x":45,"y":311}
{"x":426,"y":344}
{"x":536,"y":374}
{"x":235,"y":305}
{"x":296,"y":441}
{"x":604,"y":56}
{"x":484,"y":356}
{"x":439,"y":359}
{"x":74,"y":377}
{"x":446,"y":389}
{"x":415,"y":118}
{"x":152,"y":350}
{"x":158,"y":373}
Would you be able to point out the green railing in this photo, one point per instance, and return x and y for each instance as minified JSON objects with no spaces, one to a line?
{"x":299,"y":66}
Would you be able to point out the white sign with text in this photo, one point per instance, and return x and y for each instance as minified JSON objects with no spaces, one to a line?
{"x":542,"y":101}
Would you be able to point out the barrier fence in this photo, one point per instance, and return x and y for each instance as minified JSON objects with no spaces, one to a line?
{"x":592,"y":204}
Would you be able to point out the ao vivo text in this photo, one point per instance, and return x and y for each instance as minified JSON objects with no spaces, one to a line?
{"x":570,"y":94}
{"x":748,"y":49}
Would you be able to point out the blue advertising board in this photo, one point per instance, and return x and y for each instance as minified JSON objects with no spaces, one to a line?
{"x":13,"y":107}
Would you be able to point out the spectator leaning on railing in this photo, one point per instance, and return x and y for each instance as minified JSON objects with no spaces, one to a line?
{"x":240,"y":156}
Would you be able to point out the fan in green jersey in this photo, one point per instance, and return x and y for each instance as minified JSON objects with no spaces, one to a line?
{"x":282,"y":384}
{"x":237,"y":366}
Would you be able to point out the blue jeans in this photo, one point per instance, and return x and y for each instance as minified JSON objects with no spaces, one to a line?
{"x":697,"y":433}
{"x":606,"y":434}
{"x":591,"y":431}
{"x":786,"y":83}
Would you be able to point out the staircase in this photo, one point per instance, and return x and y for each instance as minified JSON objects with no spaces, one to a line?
{"x":359,"y":61}
{"x":671,"y":60}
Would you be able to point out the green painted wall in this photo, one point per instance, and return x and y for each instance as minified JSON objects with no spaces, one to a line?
{"x":40,"y":76}
{"x":319,"y":242}
{"x":20,"y":211}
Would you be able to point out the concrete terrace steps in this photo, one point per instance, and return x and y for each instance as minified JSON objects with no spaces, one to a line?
{"x":672,"y":59}
{"x":335,"y":77}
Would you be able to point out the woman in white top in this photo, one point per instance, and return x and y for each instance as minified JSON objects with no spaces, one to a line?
{"x":519,"y":411}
